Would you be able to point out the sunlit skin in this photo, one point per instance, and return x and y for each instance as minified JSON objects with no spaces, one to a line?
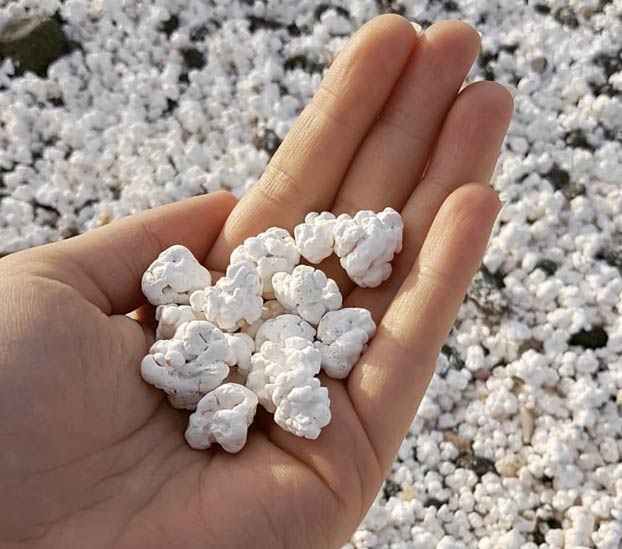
{"x":91,"y":456}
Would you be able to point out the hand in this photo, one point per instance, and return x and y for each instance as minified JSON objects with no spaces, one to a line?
{"x":91,"y":456}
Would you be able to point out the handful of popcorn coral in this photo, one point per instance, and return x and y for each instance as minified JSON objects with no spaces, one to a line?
{"x":264,"y":331}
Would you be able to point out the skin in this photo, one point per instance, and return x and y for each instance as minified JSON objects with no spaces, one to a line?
{"x":90,"y":455}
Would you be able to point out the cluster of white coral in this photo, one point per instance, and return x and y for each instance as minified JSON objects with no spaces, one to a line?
{"x":365,"y":243}
{"x":222,"y":349}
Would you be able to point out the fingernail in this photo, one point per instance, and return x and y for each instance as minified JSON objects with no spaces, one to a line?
{"x":418,"y":28}
{"x":511,"y":89}
{"x":480,"y":34}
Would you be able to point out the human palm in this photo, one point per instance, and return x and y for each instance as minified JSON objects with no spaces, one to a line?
{"x":91,"y":456}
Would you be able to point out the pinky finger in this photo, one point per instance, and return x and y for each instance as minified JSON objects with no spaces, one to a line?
{"x":391,"y":378}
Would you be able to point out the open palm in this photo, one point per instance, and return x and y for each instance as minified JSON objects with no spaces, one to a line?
{"x":91,"y":456}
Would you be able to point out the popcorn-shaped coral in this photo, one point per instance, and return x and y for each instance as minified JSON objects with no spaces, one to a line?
{"x":222,"y":416}
{"x":272,"y":251}
{"x":172,"y":316}
{"x":367,"y":243}
{"x":234,"y":300}
{"x":270,"y":309}
{"x":283,"y":327}
{"x":282,"y":366}
{"x":314,"y":238}
{"x":304,"y":410}
{"x":173,"y":276}
{"x":307,"y":292}
{"x":343,"y":336}
{"x":190,"y":365}
{"x":242,"y":347}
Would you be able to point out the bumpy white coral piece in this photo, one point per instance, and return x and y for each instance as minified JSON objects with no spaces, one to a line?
{"x":271,"y":252}
{"x":282,"y":378}
{"x":190,"y":365}
{"x":172,"y":316}
{"x":242,"y":347}
{"x":281,"y":367}
{"x":343,"y":336}
{"x":270,"y":310}
{"x":304,"y":410}
{"x":283,"y":327}
{"x":314,"y":238}
{"x":234,"y":300}
{"x":222,"y":416}
{"x":173,"y":276}
{"x":367,"y":243}
{"x":307,"y":292}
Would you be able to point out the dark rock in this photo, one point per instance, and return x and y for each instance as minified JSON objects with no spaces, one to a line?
{"x":193,"y":58}
{"x":604,"y":89}
{"x":294,"y":30}
{"x":542,"y":8}
{"x":531,"y":345}
{"x":256,"y":23}
{"x":578,"y":139}
{"x":539,"y":64}
{"x":590,"y":339}
{"x":610,"y":63}
{"x":390,"y":489}
{"x":485,"y":59}
{"x":509,"y":48}
{"x":450,"y":5}
{"x":433,"y":502}
{"x":566,"y":17}
{"x":267,"y":140}
{"x":199,"y":34}
{"x":304,"y":63}
{"x":171,"y":105}
{"x":612,"y":256}
{"x":547,"y":265}
{"x":559,"y":178}
{"x":317,"y":14}
{"x":455,"y":362}
{"x":57,"y":101}
{"x":485,"y":292}
{"x":479,"y":465}
{"x":390,"y":6}
{"x":169,"y":26}
{"x":34,"y":44}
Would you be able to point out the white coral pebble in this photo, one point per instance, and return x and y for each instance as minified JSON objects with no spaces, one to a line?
{"x":343,"y":336}
{"x":314,"y":238}
{"x":234,"y":300}
{"x":283,"y":327}
{"x":222,"y":416}
{"x":271,"y":252}
{"x":295,"y":356}
{"x":367,"y":243}
{"x":307,"y":292}
{"x":173,"y":276}
{"x":270,"y":310}
{"x":304,"y":410}
{"x":172,"y":316}
{"x":190,"y":365}
{"x":282,"y":377}
{"x":242,"y":347}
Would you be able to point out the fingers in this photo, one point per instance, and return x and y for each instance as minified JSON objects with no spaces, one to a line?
{"x":390,"y":379}
{"x":394,"y":154}
{"x":466,"y":150}
{"x":106,"y":265}
{"x":307,"y":170}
